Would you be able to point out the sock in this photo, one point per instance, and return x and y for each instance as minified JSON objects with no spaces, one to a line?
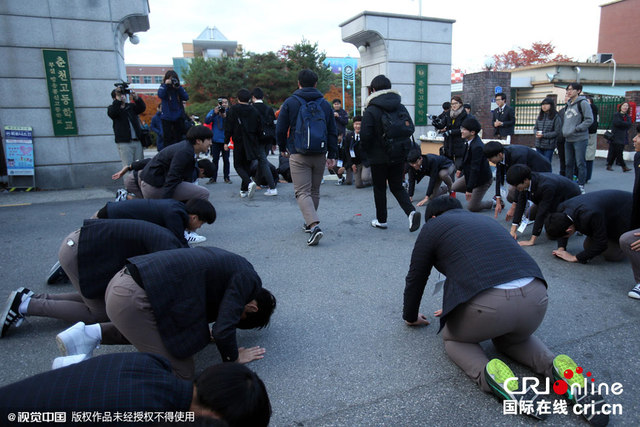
{"x":94,"y":331}
{"x":23,"y":306}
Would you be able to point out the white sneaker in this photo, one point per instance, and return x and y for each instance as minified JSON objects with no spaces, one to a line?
{"x":581,"y":189}
{"x":635,"y":292}
{"x":376,"y":224}
{"x":244,"y":194}
{"x":74,"y":340}
{"x":414,"y":221}
{"x":61,"y":362}
{"x":271,"y":192}
{"x":192,"y":237}
{"x":121,"y":195}
{"x":252,"y":189}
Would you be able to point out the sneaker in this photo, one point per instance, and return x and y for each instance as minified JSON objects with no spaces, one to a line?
{"x":271,"y":192}
{"x":10,"y":313}
{"x":376,"y":224}
{"x":252,"y":189}
{"x":192,"y":237}
{"x":635,"y":292}
{"x":496,"y":372}
{"x":414,"y":221}
{"x":57,"y":275}
{"x":341,"y":181}
{"x":316,"y":235}
{"x":582,"y":189}
{"x":121,"y":195}
{"x":227,"y":181}
{"x":75,"y":340}
{"x":244,"y":194}
{"x":577,"y":393}
{"x":211,"y":181}
{"x":306,"y":228}
{"x":61,"y":362}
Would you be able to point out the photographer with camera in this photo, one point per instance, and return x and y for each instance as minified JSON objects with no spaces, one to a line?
{"x":216,"y":117}
{"x":172,"y":95}
{"x":124,"y":112}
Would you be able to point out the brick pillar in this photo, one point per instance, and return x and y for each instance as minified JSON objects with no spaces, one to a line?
{"x":479,"y":91}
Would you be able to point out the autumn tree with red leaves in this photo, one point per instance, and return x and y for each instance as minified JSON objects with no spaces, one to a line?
{"x":539,"y":53}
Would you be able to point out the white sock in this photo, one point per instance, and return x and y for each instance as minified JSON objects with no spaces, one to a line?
{"x":23,"y":306}
{"x":93,"y":331}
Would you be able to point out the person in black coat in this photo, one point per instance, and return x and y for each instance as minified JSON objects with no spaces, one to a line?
{"x":164,"y":302}
{"x":360,"y":167}
{"x":439,"y":169}
{"x":493,"y":290}
{"x":474,"y":174}
{"x":504,"y":156}
{"x":90,"y":257}
{"x":268,"y":117}
{"x":503,"y":117}
{"x":454,"y":146}
{"x":168,"y":213}
{"x":125,"y":118}
{"x":385,"y":169}
{"x":244,"y":125}
{"x":545,"y":190}
{"x":620,"y":126}
{"x":630,"y":241}
{"x":121,"y":383}
{"x":602,"y":216}
{"x":171,"y":172}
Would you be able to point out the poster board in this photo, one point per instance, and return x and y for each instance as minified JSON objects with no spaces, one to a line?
{"x":18,"y":142}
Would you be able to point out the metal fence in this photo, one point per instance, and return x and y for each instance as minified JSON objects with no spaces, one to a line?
{"x":527,"y":111}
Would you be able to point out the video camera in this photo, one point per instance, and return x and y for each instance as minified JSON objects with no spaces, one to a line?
{"x":436,"y":121}
{"x":124,"y":87}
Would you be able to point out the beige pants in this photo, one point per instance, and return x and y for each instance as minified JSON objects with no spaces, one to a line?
{"x":306,"y":173}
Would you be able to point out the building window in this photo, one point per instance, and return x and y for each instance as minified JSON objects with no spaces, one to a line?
{"x":157,"y":79}
{"x":135,"y":79}
{"x":147,"y":80}
{"x":129,"y":79}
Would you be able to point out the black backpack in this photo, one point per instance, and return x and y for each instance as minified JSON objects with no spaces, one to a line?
{"x":397,"y":131}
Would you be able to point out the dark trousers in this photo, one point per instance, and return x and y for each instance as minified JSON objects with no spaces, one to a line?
{"x":242,"y":167}
{"x":562,"y":157}
{"x":615,"y":154}
{"x":264,"y":170}
{"x":393,"y":174}
{"x":172,"y":131}
{"x":217,"y":148}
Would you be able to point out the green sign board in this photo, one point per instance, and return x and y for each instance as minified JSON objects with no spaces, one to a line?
{"x":421,"y":95}
{"x":63,"y":113}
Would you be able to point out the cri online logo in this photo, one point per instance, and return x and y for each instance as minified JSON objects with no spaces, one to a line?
{"x":561,"y":387}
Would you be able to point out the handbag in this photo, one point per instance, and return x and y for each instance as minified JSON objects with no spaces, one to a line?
{"x":608,"y":135}
{"x":145,"y":137}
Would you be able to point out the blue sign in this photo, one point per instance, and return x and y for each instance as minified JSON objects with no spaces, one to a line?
{"x":498,"y":89}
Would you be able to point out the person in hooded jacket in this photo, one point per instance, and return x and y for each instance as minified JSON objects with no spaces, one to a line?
{"x":383,"y":168}
{"x":172,"y":95}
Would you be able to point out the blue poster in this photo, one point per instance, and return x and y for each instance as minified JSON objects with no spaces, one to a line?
{"x":19,"y":150}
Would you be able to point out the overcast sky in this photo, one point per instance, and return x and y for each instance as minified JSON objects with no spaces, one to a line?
{"x":482,"y":28}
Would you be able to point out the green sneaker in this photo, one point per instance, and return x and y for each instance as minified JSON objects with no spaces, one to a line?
{"x":577,"y":393}
{"x":496,"y":373}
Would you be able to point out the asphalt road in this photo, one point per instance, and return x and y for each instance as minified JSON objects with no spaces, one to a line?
{"x":338,"y":352}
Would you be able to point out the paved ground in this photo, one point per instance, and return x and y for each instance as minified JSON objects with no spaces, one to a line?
{"x":338,"y":352}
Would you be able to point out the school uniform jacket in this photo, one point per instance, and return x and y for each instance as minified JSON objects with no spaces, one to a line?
{"x":431,"y":166}
{"x":520,"y":155}
{"x":546,"y":191}
{"x":474,"y":252}
{"x":508,"y":119}
{"x":171,"y":166}
{"x":190,"y":288}
{"x":475,"y":165}
{"x":601,"y":215}
{"x":105,"y":244}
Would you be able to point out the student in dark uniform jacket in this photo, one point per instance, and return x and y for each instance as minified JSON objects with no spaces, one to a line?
{"x":439,"y":169}
{"x":360,"y":168}
{"x":630,"y":241}
{"x":506,"y":156}
{"x":90,"y":257}
{"x":602,"y":216}
{"x":141,"y":382}
{"x":503,"y":117}
{"x":168,"y":213}
{"x":163,"y":302}
{"x":493,"y":291}
{"x":474,"y":175}
{"x":171,"y":173}
{"x":545,"y":190}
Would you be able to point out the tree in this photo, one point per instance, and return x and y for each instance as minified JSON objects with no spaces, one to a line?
{"x":539,"y":53}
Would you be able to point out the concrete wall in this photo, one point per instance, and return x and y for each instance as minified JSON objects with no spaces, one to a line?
{"x":393,"y":44}
{"x":93,"y":33}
